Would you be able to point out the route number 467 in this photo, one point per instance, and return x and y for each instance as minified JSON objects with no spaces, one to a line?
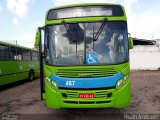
{"x":70,"y":83}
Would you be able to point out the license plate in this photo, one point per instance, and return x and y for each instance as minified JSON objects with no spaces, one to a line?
{"x":86,"y":95}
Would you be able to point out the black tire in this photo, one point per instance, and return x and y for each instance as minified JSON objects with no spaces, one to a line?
{"x":31,"y":75}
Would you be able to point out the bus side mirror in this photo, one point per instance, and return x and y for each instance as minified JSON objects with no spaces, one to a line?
{"x":130,"y":42}
{"x":38,"y":38}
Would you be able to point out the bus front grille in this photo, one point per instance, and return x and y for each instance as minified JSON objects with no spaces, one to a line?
{"x":98,"y":94}
{"x":85,"y":72}
{"x":86,"y":102}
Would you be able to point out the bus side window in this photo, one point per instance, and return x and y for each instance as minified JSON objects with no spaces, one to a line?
{"x":4,"y":53}
{"x":26,"y":55}
{"x":46,"y":46}
{"x":19,"y":54}
{"x":13,"y":53}
{"x":35,"y":56}
{"x":1,"y":53}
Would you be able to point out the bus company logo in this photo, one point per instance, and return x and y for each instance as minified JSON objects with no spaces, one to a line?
{"x":86,"y":75}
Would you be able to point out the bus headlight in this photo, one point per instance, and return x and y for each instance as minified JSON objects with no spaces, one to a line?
{"x":126,"y":77}
{"x":119,"y":84}
{"x":52,"y":83}
{"x":122,"y":81}
{"x":48,"y":79}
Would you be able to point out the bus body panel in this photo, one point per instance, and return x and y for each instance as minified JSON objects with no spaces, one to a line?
{"x":121,"y":98}
{"x":87,"y":83}
{"x":12,"y":71}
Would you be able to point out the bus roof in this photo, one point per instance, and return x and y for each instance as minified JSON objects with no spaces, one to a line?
{"x":18,"y":46}
{"x":85,"y":4}
{"x":52,"y":13}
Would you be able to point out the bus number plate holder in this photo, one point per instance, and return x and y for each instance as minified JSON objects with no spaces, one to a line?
{"x":86,"y":95}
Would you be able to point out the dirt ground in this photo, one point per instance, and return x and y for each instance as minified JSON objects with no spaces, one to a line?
{"x":22,"y":101}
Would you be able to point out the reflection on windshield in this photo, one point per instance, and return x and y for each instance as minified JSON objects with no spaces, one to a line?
{"x":77,"y":45}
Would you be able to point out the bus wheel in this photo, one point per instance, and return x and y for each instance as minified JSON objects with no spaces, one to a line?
{"x":31,"y":75}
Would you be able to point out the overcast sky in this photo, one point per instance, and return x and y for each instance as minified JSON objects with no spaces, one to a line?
{"x":20,"y":18}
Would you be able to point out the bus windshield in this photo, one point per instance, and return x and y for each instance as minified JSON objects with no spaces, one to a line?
{"x":78,"y":44}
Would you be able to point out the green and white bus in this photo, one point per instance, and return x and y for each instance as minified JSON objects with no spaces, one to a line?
{"x":85,"y":62}
{"x":17,"y":63}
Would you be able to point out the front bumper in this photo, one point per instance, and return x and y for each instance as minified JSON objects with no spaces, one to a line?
{"x":118,"y":98}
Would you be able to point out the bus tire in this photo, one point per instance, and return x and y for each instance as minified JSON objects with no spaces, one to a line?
{"x":31,"y":75}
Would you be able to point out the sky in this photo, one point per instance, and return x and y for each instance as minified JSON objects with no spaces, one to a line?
{"x":19,"y":19}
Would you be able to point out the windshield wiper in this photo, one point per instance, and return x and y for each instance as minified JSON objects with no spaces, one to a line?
{"x":70,"y":32}
{"x":95,"y":38}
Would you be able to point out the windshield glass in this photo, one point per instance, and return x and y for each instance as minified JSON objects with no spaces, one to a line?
{"x":75,"y":44}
